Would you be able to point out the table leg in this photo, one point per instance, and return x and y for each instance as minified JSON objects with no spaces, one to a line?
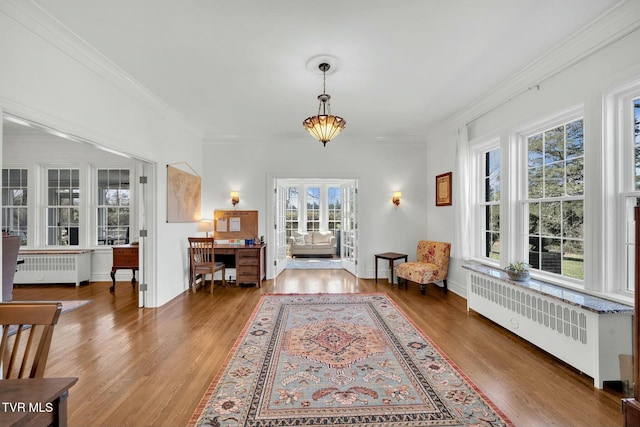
{"x":133,"y":279}
{"x":376,"y":269}
{"x":113,"y":278}
{"x":60,"y":410}
{"x":391,"y":262}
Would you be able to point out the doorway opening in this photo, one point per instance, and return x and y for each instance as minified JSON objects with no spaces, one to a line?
{"x":315,"y":224}
{"x":94,"y":197}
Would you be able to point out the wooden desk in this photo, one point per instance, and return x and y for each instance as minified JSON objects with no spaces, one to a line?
{"x":34,"y":401}
{"x":124,"y":257}
{"x":248,"y":260}
{"x":391,"y":256}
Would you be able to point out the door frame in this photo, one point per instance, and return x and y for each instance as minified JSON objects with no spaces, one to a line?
{"x":272,"y":182}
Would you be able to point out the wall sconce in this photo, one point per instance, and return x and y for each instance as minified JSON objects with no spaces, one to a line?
{"x":396,"y":198}
{"x":234,"y":198}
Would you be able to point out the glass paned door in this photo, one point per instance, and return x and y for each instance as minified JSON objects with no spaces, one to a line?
{"x":280,"y":228}
{"x":349,"y":239}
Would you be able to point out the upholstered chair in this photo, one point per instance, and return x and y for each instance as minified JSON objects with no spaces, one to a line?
{"x":431,"y":265}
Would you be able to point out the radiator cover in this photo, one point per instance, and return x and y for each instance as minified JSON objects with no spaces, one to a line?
{"x":48,"y":267}
{"x":591,"y":341}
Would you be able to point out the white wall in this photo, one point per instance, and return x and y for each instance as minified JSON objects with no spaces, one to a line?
{"x":50,"y":78}
{"x":583,"y":83}
{"x":380,"y":167}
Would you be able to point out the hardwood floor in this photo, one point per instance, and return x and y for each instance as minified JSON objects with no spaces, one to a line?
{"x":150,"y":367}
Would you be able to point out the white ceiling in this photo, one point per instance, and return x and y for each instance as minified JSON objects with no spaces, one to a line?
{"x":237,"y":69}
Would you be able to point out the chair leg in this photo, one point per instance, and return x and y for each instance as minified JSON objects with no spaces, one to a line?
{"x":423,"y":288}
{"x":224,"y":282}
{"x":444,"y":281}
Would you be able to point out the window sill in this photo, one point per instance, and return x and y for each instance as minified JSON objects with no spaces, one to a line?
{"x":588,"y":301}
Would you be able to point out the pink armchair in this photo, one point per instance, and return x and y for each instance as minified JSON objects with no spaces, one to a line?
{"x":431,"y":265}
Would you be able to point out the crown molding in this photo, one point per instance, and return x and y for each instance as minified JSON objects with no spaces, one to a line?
{"x":32,"y":17}
{"x":613,"y":25}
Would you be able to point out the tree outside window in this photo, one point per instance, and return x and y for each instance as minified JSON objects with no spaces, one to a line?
{"x":313,"y":209}
{"x":555,"y":202}
{"x":63,"y":206}
{"x":491,"y":178}
{"x":113,"y":211}
{"x":335,"y":210}
{"x":291,"y":211}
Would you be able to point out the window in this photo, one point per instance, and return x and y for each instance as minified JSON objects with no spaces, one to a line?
{"x":291,"y":211}
{"x":313,"y":209}
{"x":633,"y":196}
{"x":63,"y":206}
{"x":554,"y":203}
{"x":114,"y":199}
{"x":335,"y":210}
{"x":14,"y":203}
{"x":491,"y":204}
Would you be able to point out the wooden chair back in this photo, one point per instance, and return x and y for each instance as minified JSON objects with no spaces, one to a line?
{"x":202,"y":260}
{"x":27,"y":329}
{"x":201,"y":251}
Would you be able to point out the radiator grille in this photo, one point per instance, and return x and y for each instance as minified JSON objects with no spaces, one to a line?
{"x":48,"y":263}
{"x":557,"y":316}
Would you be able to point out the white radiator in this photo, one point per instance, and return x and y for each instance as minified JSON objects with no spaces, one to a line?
{"x":54,"y":267}
{"x":590,"y":341}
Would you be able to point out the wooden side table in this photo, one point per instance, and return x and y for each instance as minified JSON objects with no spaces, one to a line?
{"x":391,"y":257}
{"x":124,"y":257}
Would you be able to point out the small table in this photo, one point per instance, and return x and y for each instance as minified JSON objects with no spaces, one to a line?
{"x":35,"y":401}
{"x":391,"y":256}
{"x":124,"y":257}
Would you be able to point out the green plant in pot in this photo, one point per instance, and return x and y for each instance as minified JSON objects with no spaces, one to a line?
{"x":518,"y":270}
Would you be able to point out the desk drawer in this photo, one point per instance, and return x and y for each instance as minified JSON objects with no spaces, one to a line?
{"x":247,"y":277}
{"x":224,"y":251}
{"x":248,"y":261}
{"x":125,"y":252}
{"x":126,"y":262}
{"x":248,"y":253}
{"x":125,"y":257}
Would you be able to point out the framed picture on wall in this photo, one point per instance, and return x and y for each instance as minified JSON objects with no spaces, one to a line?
{"x":443,"y":189}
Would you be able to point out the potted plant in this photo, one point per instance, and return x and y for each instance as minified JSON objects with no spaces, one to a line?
{"x":518,"y":270}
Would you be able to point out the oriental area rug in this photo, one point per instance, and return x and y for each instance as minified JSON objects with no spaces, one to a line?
{"x":339,"y":360}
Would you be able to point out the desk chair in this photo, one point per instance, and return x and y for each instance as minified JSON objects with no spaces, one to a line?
{"x":35,"y":322}
{"x":202,"y":261}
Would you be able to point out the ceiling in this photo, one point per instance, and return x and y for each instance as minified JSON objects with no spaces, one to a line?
{"x":243,"y":69}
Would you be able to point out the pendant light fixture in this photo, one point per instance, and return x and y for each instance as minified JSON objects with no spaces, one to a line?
{"x":324,"y":126}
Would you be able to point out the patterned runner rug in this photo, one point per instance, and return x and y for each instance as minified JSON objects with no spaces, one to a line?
{"x":340,"y":360}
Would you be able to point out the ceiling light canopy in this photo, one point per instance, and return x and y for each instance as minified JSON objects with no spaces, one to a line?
{"x":324,"y":126}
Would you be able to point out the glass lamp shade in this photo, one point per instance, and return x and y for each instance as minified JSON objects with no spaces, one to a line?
{"x":324,"y":127}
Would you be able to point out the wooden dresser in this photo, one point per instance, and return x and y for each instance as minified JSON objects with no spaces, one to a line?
{"x":125,"y":257}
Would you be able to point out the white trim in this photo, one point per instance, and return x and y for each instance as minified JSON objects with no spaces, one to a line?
{"x":612,"y":26}
{"x":45,"y":26}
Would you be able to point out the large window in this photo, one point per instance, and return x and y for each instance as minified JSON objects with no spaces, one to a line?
{"x":313,"y":209}
{"x":491,"y":204}
{"x":63,"y":207}
{"x":14,"y":203}
{"x":313,"y":206}
{"x":114,"y":199}
{"x":335,"y":210}
{"x":632,"y":193}
{"x":292,"y":211}
{"x":555,"y":200}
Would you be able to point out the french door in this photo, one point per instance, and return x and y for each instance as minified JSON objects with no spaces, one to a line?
{"x":279,"y":228}
{"x":349,"y":239}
